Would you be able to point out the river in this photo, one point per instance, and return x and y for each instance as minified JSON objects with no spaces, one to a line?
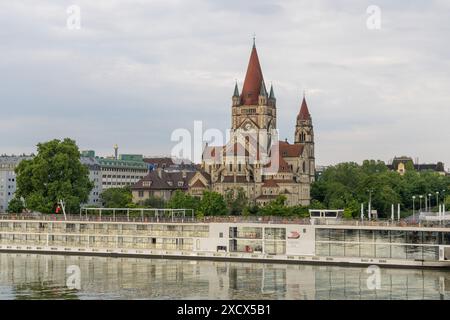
{"x":32,"y":276}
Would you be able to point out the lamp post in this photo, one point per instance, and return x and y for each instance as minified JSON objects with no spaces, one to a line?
{"x":443,"y":201}
{"x":420,"y":203}
{"x":429,"y":199}
{"x":426,"y":203}
{"x":437,"y":198}
{"x":370,"y":203}
{"x":414,"y":214}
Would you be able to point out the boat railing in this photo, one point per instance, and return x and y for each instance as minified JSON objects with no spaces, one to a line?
{"x":222,"y":219}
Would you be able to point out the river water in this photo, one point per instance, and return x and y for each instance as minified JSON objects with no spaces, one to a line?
{"x":32,"y":276}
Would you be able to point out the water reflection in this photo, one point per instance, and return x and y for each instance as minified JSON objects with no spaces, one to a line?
{"x":29,"y":276}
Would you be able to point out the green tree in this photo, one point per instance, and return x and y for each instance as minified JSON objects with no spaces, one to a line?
{"x":116,"y":197}
{"x":300,"y":211}
{"x":54,"y":173}
{"x":315,"y":204}
{"x":16,"y":205}
{"x":352,"y":210}
{"x":373,"y":167}
{"x":236,"y":201}
{"x":154,"y":202}
{"x":346,"y":186}
{"x":182,"y":200}
{"x":212,"y":204}
{"x":251,"y":210}
{"x":277,"y":207}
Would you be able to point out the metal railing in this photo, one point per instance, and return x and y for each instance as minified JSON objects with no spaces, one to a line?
{"x":221,"y":219}
{"x":143,"y":213}
{"x":93,"y":218}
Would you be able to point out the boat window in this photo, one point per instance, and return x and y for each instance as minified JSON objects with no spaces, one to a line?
{"x":414,"y":237}
{"x":322,"y":249}
{"x":431,"y":253}
{"x":352,"y":235}
{"x":221,"y":248}
{"x":337,"y":249}
{"x":245,"y":232}
{"x":414,"y":253}
{"x":398,"y":236}
{"x":446,"y":238}
{"x":323,"y":234}
{"x":351,"y":250}
{"x":275,"y":247}
{"x":275,"y":233}
{"x":367,"y":250}
{"x":382,"y":236}
{"x":366,"y":235}
{"x":398,"y":252}
{"x":430,"y":237}
{"x":383,"y":251}
{"x":337,"y":235}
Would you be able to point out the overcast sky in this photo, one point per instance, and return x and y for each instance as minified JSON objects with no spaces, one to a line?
{"x":137,"y":70}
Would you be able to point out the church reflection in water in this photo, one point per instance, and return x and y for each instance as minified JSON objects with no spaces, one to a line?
{"x":29,"y":276}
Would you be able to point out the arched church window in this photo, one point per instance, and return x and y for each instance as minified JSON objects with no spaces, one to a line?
{"x":304,"y":167}
{"x":302,"y":137}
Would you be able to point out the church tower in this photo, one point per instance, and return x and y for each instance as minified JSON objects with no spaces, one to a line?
{"x":304,"y":134}
{"x":253,"y":160}
{"x":254,"y":108}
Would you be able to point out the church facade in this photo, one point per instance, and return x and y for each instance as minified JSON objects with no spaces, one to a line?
{"x":254,"y":160}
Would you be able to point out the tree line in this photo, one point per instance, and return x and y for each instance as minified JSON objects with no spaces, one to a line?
{"x":349,"y":184}
{"x":56,"y":173}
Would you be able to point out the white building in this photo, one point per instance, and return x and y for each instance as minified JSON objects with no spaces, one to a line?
{"x":95,"y":176}
{"x":8,"y":179}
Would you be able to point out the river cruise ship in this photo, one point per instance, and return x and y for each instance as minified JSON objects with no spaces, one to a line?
{"x":324,"y":238}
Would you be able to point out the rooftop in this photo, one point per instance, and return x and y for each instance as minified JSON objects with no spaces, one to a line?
{"x":13,"y":160}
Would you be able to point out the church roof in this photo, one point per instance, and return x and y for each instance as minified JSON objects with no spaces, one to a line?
{"x":290,"y":150}
{"x":253,"y":80}
{"x":163,"y":180}
{"x":198,"y":184}
{"x":304,"y":112}
{"x":272,"y":94}
{"x":283,"y":166}
{"x":270,"y":184}
{"x":236,"y":91}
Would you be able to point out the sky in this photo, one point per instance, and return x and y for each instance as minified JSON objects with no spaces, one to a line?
{"x":137,"y":70}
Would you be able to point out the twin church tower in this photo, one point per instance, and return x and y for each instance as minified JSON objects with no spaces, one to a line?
{"x":254,"y":109}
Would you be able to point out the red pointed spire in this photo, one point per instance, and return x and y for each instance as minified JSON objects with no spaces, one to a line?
{"x":253,"y":80}
{"x":304,"y":112}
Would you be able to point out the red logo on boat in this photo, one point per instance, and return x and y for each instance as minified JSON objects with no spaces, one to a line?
{"x":294,"y":235}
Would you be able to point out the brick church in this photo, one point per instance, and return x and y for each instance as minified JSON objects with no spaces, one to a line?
{"x":254,"y":160}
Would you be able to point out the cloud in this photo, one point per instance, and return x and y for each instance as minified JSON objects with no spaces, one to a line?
{"x":137,"y":70}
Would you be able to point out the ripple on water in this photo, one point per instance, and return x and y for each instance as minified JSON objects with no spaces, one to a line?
{"x":31,"y":276}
